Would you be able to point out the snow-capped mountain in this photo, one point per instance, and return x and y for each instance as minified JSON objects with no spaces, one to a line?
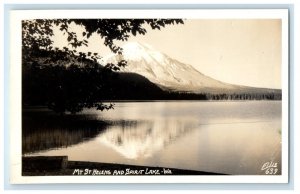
{"x":164,"y":70}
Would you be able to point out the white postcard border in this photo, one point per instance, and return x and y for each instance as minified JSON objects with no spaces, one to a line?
{"x":15,"y":92}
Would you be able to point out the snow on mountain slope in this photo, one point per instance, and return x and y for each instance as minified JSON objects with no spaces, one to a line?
{"x":164,"y":70}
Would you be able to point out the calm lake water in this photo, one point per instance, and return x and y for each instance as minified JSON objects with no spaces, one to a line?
{"x":234,"y":137}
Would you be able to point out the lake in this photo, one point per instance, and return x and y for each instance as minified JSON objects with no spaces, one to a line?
{"x":234,"y":137}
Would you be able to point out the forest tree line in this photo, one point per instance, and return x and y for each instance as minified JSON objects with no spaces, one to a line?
{"x":65,"y":88}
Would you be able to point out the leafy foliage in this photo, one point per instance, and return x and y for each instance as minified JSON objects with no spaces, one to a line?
{"x":64,"y":88}
{"x":36,"y":34}
{"x":74,"y":79}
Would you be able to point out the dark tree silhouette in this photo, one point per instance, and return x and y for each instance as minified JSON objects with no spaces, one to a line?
{"x":68,"y":80}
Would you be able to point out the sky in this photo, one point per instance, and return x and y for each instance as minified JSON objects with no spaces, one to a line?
{"x":237,"y":51}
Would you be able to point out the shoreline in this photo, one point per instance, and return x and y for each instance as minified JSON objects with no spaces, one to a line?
{"x":60,"y":166}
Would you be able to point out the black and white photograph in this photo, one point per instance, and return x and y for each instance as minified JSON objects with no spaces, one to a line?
{"x":154,"y":96}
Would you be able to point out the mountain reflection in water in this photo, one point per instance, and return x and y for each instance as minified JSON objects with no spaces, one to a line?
{"x":236,"y":137}
{"x":131,"y":139}
{"x":136,"y":140}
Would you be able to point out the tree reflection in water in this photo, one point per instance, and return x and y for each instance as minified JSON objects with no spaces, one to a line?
{"x":43,"y":131}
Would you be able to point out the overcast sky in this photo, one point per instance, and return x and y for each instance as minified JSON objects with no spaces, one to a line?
{"x":244,"y":52}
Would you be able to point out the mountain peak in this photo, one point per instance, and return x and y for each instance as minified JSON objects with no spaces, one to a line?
{"x":133,"y":50}
{"x":133,"y":44}
{"x":136,"y":46}
{"x":136,"y":51}
{"x":162,"y":70}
